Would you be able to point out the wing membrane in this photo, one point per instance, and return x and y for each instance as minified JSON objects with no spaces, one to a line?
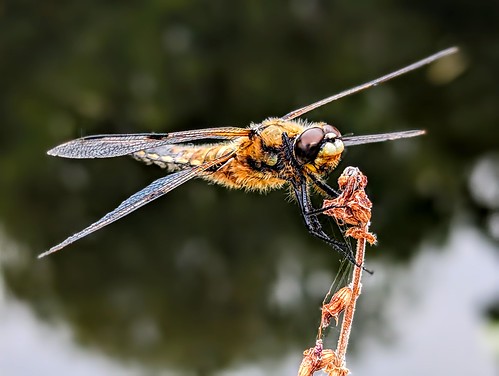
{"x":115,"y":145}
{"x":154,"y":190}
{"x":381,"y":137}
{"x":418,"y":64}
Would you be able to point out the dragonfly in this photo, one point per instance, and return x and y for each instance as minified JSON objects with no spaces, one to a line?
{"x":276,"y":153}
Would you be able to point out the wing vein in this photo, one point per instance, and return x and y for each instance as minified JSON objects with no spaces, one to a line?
{"x":153,"y":191}
{"x":115,"y":145}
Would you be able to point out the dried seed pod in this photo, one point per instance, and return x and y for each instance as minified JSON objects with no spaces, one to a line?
{"x":352,"y":206}
{"x":317,"y":358}
{"x":336,"y":305}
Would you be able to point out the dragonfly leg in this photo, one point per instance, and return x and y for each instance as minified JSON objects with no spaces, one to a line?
{"x":324,"y":187}
{"x":314,"y":226}
{"x":323,"y":209}
{"x":312,"y":223}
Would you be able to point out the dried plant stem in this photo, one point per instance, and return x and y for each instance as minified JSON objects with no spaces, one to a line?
{"x":346,"y":325}
{"x":351,"y":207}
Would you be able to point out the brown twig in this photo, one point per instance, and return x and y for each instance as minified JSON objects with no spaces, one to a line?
{"x":352,"y":207}
{"x":346,"y":326}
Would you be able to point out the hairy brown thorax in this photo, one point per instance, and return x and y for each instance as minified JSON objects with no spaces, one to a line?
{"x":258,"y":160}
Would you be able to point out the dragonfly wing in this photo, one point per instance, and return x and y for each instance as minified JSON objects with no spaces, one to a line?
{"x":115,"y":145}
{"x":154,"y":190}
{"x":380,"y":137}
{"x":418,"y":64}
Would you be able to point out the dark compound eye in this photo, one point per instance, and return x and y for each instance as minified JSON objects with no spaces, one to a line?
{"x":329,"y":129}
{"x":307,"y":144}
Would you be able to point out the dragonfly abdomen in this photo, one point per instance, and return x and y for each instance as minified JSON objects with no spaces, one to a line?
{"x":179,"y":157}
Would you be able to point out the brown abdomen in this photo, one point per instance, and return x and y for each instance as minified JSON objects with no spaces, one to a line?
{"x":178,"y":157}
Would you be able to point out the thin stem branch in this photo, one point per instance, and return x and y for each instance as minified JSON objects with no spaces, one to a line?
{"x":352,"y":207}
{"x":346,"y":325}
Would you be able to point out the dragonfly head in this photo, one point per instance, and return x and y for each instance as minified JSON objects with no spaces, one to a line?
{"x":321,"y":145}
{"x":318,"y":143}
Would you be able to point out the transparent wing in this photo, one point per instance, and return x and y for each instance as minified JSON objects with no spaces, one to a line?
{"x":418,"y":64}
{"x":115,"y":145}
{"x":381,"y":137}
{"x":154,"y":190}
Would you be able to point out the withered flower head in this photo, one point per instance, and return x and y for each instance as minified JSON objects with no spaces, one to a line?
{"x":336,"y":305}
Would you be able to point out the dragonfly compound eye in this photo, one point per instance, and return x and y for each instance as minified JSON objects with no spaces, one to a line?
{"x":330,"y":131}
{"x":308,"y":143}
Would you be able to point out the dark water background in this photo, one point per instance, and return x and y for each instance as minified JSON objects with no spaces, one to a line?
{"x":210,"y":281}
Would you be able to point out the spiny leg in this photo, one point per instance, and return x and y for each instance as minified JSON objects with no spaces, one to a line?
{"x":300,"y":188}
{"x":323,"y":209}
{"x":314,"y":226}
{"x":324,"y":187}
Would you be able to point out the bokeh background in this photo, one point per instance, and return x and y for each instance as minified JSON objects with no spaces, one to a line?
{"x":207,"y":281}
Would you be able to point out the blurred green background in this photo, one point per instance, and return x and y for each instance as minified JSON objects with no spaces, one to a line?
{"x":210,"y":281}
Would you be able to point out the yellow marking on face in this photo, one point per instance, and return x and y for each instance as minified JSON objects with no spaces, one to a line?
{"x":331,"y":149}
